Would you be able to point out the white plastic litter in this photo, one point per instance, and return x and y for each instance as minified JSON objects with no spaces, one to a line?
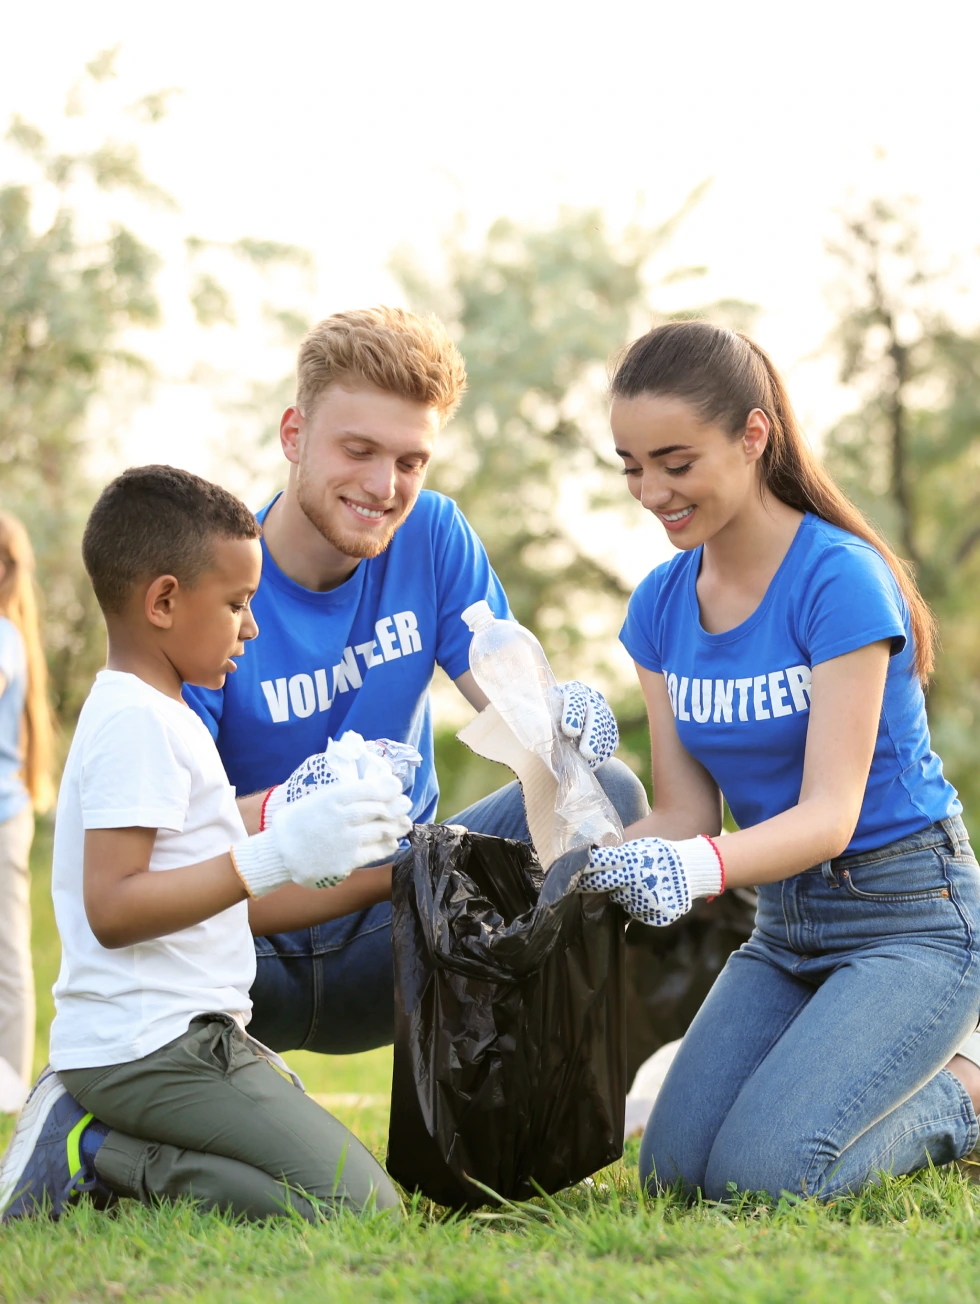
{"x":350,"y":757}
{"x":401,"y":758}
{"x":646,"y":1087}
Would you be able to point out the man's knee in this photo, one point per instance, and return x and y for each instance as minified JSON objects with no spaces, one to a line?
{"x":624,"y":790}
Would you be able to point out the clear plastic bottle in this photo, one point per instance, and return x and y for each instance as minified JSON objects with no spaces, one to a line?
{"x":510,"y":665}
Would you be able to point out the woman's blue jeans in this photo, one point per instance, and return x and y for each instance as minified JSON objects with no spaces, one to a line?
{"x":816,"y":1061}
{"x":331,"y":988}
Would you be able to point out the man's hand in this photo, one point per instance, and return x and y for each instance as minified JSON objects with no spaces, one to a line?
{"x":315,"y":773}
{"x":654,"y":880}
{"x":585,"y":716}
{"x":318,"y":841}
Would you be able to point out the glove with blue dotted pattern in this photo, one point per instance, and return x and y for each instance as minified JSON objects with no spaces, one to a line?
{"x":654,"y":880}
{"x":586,"y":717}
{"x":319,"y":841}
{"x":316,"y":773}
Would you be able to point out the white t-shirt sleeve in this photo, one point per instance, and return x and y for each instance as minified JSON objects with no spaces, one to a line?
{"x":134,"y":774}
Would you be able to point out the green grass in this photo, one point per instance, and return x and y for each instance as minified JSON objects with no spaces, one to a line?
{"x":912,"y":1239}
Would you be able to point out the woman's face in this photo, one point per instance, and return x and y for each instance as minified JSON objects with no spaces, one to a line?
{"x":693,"y":476}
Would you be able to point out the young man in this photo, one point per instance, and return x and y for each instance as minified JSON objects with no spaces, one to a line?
{"x":151,"y":872}
{"x":364,"y":579}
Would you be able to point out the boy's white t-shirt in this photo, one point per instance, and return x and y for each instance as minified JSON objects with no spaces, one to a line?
{"x":142,"y":759}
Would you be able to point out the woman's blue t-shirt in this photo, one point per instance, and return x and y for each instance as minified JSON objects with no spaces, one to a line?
{"x":741,"y":699}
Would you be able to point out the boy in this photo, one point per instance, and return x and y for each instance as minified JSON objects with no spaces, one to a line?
{"x":152,"y":870}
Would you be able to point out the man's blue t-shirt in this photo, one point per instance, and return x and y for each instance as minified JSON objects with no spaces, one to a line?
{"x":360,"y":656}
{"x":741,"y":699}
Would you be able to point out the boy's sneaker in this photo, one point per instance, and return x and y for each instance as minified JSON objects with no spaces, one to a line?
{"x":42,"y":1171}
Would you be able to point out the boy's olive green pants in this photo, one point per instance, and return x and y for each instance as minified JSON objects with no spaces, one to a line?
{"x":208,"y":1116}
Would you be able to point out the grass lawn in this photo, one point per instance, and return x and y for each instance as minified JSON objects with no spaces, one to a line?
{"x":913,"y":1239}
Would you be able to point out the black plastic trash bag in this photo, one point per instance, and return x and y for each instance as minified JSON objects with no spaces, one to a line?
{"x":510,"y":1035}
{"x":669,"y":971}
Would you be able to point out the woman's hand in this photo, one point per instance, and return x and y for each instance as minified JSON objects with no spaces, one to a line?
{"x":654,"y":880}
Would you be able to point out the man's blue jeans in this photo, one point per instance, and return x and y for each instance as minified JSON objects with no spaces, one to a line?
{"x":816,"y":1060}
{"x":330,"y":988}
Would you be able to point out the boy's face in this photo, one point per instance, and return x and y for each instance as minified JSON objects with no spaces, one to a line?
{"x":360,"y":462}
{"x":213,"y":621}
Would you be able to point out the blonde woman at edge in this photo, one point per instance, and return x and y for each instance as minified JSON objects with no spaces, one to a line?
{"x":25,"y":786}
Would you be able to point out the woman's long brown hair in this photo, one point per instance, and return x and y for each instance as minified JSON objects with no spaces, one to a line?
{"x":725,"y":375}
{"x":18,"y":602}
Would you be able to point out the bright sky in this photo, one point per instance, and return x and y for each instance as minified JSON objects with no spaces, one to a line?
{"x":353,"y":129}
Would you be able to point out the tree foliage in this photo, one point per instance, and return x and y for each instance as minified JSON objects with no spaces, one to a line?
{"x":69,"y":290}
{"x":910,"y":454}
{"x":75,"y":285}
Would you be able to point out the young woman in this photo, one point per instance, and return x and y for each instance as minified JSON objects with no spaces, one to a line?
{"x":25,"y":784}
{"x":782,"y":654}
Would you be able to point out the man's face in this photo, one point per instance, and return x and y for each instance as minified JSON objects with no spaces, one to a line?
{"x":360,"y":458}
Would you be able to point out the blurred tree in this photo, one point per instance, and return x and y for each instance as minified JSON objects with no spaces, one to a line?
{"x":67,"y":294}
{"x":910,"y":454}
{"x":74,"y":282}
{"x":537,"y":314}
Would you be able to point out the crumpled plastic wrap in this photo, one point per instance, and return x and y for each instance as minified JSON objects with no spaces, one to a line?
{"x":350,"y":757}
{"x":510,"y":1036}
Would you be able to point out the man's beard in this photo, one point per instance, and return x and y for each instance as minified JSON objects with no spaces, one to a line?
{"x":349,"y":542}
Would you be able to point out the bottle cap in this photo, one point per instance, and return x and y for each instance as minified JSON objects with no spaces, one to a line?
{"x":478,"y":615}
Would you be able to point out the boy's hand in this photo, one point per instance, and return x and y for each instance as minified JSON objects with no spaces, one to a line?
{"x":654,"y":880}
{"x":318,"y":841}
{"x":315,"y":773}
{"x":585,"y":716}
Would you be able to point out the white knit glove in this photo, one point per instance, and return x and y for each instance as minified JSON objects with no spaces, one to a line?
{"x":654,"y":880}
{"x":317,"y":842}
{"x":585,"y":716}
{"x":344,"y":756}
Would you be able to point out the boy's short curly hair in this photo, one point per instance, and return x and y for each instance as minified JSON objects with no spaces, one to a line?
{"x":394,"y":350}
{"x":157,"y":520}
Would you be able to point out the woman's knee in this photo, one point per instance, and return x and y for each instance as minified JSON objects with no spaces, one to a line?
{"x":747,"y":1163}
{"x":666,"y":1160}
{"x":624,"y":790}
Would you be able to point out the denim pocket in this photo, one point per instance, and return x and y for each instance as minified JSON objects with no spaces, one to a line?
{"x":924,"y":875}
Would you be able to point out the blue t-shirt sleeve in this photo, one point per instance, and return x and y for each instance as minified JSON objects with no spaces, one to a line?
{"x":852,"y":600}
{"x":208,"y":703}
{"x":639,"y":635}
{"x":463,"y":576}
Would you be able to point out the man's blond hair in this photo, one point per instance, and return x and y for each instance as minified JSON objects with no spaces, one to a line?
{"x":394,"y":350}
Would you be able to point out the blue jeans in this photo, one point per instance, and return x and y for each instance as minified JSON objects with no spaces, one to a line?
{"x":330,"y":988}
{"x":816,"y":1061}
